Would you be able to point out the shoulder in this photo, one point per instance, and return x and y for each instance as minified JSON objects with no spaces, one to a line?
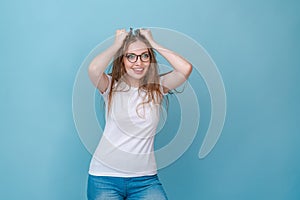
{"x":164,"y":89}
{"x":108,"y":84}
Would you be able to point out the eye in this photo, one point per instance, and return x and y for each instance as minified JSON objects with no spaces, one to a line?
{"x":145,"y":56}
{"x":131,"y":56}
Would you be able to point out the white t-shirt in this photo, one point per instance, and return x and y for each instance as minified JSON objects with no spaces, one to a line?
{"x":126,"y":147}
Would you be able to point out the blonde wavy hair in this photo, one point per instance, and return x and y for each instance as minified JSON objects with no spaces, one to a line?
{"x":150,"y":83}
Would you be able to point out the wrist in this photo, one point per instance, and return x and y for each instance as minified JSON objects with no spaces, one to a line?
{"x":116,"y":46}
{"x":151,"y":42}
{"x":154,"y":44}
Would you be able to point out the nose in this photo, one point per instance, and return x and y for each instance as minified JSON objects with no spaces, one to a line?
{"x":138,"y":60}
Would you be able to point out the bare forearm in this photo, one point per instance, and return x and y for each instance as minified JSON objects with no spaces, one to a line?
{"x":101,"y":61}
{"x":179,"y":64}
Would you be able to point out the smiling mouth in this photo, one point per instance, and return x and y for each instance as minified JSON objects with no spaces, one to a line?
{"x":138,"y":70}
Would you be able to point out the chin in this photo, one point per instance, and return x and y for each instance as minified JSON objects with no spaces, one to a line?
{"x":137,"y":75}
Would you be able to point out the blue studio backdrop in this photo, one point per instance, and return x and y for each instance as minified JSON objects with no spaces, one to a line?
{"x":255,"y":45}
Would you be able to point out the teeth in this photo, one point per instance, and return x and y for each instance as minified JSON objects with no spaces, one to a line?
{"x":138,"y":69}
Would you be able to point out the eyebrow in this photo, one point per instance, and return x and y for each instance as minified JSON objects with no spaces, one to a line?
{"x":140,"y":54}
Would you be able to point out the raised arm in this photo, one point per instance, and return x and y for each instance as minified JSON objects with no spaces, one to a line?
{"x":101,"y":61}
{"x":182,"y":68}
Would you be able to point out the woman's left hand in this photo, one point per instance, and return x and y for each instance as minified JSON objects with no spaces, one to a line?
{"x":147,"y":34}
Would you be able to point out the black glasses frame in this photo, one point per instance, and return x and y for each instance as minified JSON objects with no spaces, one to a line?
{"x":137,"y":56}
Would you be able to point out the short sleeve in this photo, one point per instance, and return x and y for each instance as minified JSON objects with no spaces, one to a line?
{"x":104,"y":94}
{"x":161,"y":85}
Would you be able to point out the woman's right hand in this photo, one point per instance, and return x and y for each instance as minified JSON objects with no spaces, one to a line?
{"x":100,"y":62}
{"x":120,"y":35}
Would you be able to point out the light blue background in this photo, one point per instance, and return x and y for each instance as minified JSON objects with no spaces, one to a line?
{"x":255,"y":44}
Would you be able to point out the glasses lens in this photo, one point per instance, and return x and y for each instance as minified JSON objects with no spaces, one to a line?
{"x":145,"y":57}
{"x":131,"y":57}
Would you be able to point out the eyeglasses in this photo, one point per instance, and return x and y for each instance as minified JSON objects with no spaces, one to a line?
{"x":131,"y":57}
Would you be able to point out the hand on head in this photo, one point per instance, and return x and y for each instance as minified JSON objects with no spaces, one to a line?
{"x":121,"y":34}
{"x":147,"y":34}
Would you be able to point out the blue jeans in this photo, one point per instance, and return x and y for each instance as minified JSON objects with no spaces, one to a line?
{"x":123,"y":188}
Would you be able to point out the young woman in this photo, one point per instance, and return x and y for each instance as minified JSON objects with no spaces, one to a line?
{"x":123,"y":165}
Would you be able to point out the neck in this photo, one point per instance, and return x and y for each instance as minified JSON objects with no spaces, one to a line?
{"x":131,"y":81}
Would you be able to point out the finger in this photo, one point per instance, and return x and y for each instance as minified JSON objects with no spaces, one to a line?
{"x":143,"y":31}
{"x":121,"y":30}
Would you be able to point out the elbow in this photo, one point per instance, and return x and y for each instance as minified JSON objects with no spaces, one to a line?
{"x":189,"y":69}
{"x":91,"y":67}
{"x":92,"y":70}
